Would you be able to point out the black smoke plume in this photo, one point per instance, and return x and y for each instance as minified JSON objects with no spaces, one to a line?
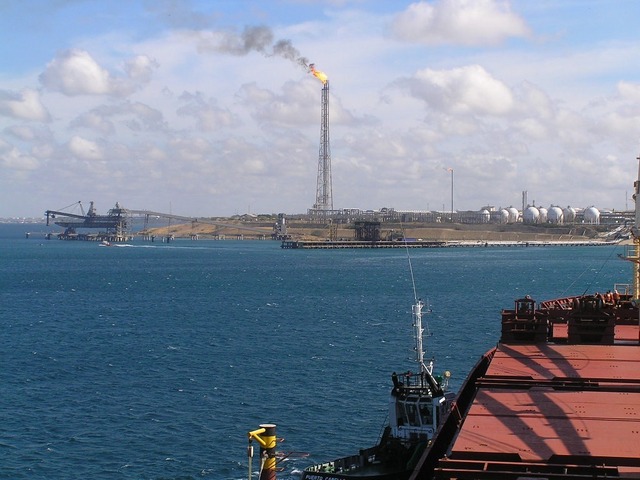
{"x":252,"y":39}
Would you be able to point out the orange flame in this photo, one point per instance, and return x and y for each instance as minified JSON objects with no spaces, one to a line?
{"x":318,"y":74}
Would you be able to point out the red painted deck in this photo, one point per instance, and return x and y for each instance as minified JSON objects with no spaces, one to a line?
{"x":538,"y":424}
{"x":549,"y":361}
{"x":553,"y":410}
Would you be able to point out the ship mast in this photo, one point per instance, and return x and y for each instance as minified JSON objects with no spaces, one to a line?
{"x":416,"y":312}
{"x":417,"y":332}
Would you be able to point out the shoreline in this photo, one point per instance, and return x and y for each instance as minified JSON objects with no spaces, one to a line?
{"x":493,"y":233}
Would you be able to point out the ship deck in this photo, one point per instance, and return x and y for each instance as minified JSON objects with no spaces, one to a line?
{"x":553,"y":410}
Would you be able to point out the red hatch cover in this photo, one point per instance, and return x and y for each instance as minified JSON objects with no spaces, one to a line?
{"x":543,"y":406}
{"x":549,"y":361}
{"x":539,"y":423}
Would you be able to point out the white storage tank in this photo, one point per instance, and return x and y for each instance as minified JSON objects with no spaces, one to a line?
{"x":503,"y":216}
{"x":513,"y":214}
{"x":569,"y":215}
{"x":530,"y":215}
{"x":554,"y":215}
{"x":485,"y":216}
{"x":543,"y":215}
{"x":592,"y":216}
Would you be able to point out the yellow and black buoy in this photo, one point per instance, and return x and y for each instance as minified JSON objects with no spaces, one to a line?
{"x":266,"y":437}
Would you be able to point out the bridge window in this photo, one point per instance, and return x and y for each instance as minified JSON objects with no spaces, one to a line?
{"x":426,"y":413}
{"x":416,"y":412}
{"x":412,"y":414}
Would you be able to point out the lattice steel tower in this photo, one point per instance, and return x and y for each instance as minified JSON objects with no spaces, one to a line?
{"x":324,"y":193}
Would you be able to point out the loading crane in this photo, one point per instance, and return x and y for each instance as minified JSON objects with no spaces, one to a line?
{"x":116,"y":224}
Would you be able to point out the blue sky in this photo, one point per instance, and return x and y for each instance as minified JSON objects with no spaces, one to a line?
{"x":186,"y":105}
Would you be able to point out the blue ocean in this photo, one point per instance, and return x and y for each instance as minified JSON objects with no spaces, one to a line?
{"x":153,"y":361}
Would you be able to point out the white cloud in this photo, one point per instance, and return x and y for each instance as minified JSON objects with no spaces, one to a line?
{"x":22,"y":132}
{"x":140,"y":68}
{"x":25,"y":105}
{"x":462,"y":22}
{"x":12,"y":159}
{"x":95,"y":121}
{"x":121,"y":117}
{"x":629,"y":91}
{"x":292,"y":107}
{"x":464,"y":90}
{"x":206,"y":113}
{"x":84,"y":149}
{"x":191,"y":150}
{"x":532,"y":101}
{"x":43,"y":151}
{"x":533,"y":128}
{"x":75,"y":72}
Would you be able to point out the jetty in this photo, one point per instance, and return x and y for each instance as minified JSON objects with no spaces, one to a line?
{"x":358,"y":244}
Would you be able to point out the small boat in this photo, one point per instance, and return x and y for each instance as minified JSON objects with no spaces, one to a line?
{"x":419,"y":403}
{"x":105,"y":243}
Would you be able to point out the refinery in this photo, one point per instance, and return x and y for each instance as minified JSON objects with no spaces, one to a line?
{"x":325,"y":222}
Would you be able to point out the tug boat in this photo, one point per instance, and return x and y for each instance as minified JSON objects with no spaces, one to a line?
{"x":419,"y":402}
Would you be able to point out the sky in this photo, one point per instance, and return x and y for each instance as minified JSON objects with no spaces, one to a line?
{"x":207,"y":108}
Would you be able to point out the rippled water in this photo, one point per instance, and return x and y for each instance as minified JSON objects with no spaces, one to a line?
{"x":153,"y":361}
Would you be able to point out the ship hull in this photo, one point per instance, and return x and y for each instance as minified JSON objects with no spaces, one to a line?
{"x":557,"y":398}
{"x":368,"y":472}
{"x":404,"y":475}
{"x":386,"y":461}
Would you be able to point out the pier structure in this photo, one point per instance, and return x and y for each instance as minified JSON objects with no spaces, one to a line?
{"x":357,"y":244}
{"x":367,"y":231}
{"x":117,"y":225}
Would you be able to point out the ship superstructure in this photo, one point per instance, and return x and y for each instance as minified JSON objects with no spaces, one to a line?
{"x":418,"y":404}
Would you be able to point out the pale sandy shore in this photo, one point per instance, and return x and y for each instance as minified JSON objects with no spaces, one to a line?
{"x":427,"y":232}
